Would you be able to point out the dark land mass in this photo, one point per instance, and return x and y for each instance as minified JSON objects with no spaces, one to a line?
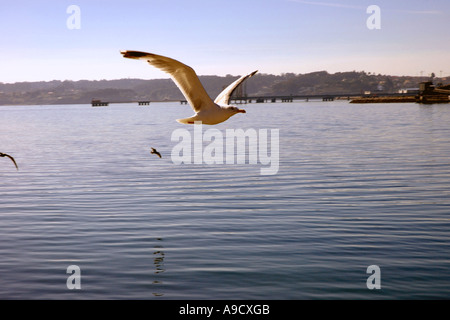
{"x":129,"y":90}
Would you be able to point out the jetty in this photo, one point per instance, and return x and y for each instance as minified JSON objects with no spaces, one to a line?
{"x":99,"y":103}
{"x":384,"y":99}
{"x":430,"y":93}
{"x":292,"y":98}
{"x":427,"y":93}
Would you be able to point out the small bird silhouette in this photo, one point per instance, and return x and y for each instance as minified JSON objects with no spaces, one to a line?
{"x":155,"y":152}
{"x":12,"y":159}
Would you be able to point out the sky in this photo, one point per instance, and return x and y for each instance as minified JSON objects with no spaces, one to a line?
{"x":48,"y":40}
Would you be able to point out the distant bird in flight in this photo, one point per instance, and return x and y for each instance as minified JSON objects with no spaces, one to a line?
{"x":155,"y":152}
{"x":12,"y":159}
{"x":207,"y":111}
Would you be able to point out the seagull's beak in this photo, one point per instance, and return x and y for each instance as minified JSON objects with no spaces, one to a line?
{"x":242,"y":111}
{"x":124,"y":53}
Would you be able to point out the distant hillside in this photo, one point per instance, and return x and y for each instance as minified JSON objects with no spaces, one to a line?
{"x":125,"y":90}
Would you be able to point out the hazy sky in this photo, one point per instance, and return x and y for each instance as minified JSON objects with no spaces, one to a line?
{"x":221,"y":37}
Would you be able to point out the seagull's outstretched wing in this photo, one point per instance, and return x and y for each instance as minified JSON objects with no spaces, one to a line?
{"x":12,"y":159}
{"x":224,"y":97}
{"x":154,"y":151}
{"x":184,"y":76}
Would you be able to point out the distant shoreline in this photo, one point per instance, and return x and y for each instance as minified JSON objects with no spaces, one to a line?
{"x":261,"y":85}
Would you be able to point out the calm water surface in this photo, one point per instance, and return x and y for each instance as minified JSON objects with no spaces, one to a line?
{"x":358,"y":185}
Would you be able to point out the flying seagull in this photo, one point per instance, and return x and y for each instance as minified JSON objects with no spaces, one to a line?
{"x":12,"y":159}
{"x":155,"y":152}
{"x":207,"y":111}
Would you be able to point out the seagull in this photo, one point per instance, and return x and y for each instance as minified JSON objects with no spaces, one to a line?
{"x":206,"y":110}
{"x":155,"y":152}
{"x":12,"y":159}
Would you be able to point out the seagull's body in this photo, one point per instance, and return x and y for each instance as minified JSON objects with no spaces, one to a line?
{"x":154,"y":151}
{"x":207,"y":111}
{"x":12,"y":159}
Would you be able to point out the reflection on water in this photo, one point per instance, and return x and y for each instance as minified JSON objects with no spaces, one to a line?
{"x":158,"y":262}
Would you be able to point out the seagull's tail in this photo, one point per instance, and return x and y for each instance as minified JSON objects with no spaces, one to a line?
{"x":190,"y":120}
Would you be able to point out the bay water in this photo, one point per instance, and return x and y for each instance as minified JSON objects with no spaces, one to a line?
{"x":357,"y":186}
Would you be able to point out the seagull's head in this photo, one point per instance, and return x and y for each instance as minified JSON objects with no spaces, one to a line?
{"x":233,"y":110}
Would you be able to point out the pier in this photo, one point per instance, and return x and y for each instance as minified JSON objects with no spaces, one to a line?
{"x":427,"y":94}
{"x":292,"y":98}
{"x":99,"y":103}
{"x":430,"y":93}
{"x":384,"y":99}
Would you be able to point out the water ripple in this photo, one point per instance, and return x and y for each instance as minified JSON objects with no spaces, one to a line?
{"x":357,"y":185}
